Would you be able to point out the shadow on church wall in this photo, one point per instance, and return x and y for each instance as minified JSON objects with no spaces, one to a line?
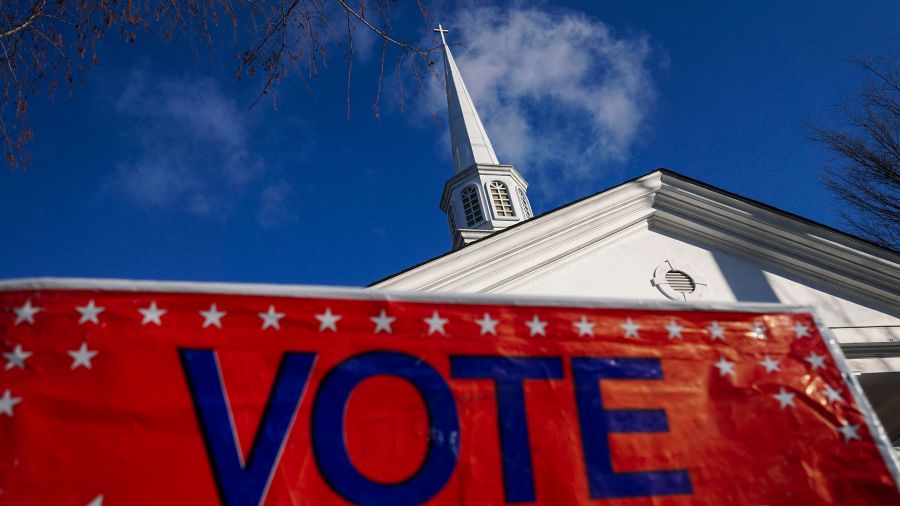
{"x":747,"y":281}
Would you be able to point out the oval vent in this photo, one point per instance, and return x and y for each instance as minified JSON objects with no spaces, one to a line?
{"x":680,"y":282}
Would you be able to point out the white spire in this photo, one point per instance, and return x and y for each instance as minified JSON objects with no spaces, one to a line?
{"x":469,"y":141}
{"x":482,"y":196}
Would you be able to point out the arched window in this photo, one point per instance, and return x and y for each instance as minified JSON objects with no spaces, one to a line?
{"x":500,"y":199}
{"x":451,"y":219}
{"x":526,"y":208}
{"x":471,"y":206}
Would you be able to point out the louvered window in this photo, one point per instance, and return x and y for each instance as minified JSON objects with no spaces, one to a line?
{"x":471,"y":206}
{"x":526,"y":208}
{"x":451,"y":219}
{"x":500,"y":198}
{"x":680,"y":282}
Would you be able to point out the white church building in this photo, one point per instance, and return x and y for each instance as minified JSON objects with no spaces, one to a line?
{"x":657,"y":237}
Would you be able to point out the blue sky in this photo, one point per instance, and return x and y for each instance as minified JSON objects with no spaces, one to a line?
{"x":157,"y":168}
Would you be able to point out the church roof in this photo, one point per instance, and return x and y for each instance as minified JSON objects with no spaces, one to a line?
{"x":666,"y":200}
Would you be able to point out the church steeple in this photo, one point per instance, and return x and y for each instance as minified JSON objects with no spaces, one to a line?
{"x":484,"y":195}
{"x":468,"y":139}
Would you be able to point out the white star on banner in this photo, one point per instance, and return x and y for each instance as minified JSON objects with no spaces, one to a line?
{"x":785,"y":398}
{"x":849,"y":431}
{"x":585,"y":327}
{"x":328,"y":320}
{"x":82,"y":356}
{"x":382,"y":322}
{"x":758,"y":331}
{"x":816,"y":361}
{"x":832,"y":394}
{"x":724,"y":367}
{"x":537,"y":326}
{"x":800,"y":330}
{"x":674,"y":330}
{"x":152,"y":314}
{"x":16,"y":358}
{"x":487,"y":324}
{"x":212,"y":316}
{"x":8,"y":402}
{"x":26,"y":313}
{"x":89,"y":313}
{"x":435,"y":323}
{"x":770,"y":364}
{"x":630,"y":328}
{"x":716,"y":331}
{"x":97,"y":501}
{"x":270,"y":318}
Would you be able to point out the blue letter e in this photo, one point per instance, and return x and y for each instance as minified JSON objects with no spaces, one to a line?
{"x":597,"y":423}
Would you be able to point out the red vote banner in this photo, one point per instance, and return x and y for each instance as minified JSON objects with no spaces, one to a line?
{"x":119,"y":393}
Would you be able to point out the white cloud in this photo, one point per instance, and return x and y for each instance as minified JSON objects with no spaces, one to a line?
{"x":275,"y":206}
{"x":562,"y":95}
{"x":189,"y":150}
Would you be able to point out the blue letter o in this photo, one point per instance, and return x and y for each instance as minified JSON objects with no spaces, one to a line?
{"x":328,"y":430}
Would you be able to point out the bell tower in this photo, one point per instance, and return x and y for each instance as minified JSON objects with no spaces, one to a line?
{"x":483,"y":195}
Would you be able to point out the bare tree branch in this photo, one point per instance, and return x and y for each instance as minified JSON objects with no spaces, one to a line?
{"x":868,"y":177}
{"x":383,"y":34}
{"x":35,"y":14}
{"x":44,"y":43}
{"x":349,"y":59}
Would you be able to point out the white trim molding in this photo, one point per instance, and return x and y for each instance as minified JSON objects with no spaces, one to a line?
{"x":666,"y":202}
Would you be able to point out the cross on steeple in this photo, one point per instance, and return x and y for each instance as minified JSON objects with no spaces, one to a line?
{"x":441,"y":30}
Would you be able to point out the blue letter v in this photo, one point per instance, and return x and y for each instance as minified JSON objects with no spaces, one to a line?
{"x":240,"y":483}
